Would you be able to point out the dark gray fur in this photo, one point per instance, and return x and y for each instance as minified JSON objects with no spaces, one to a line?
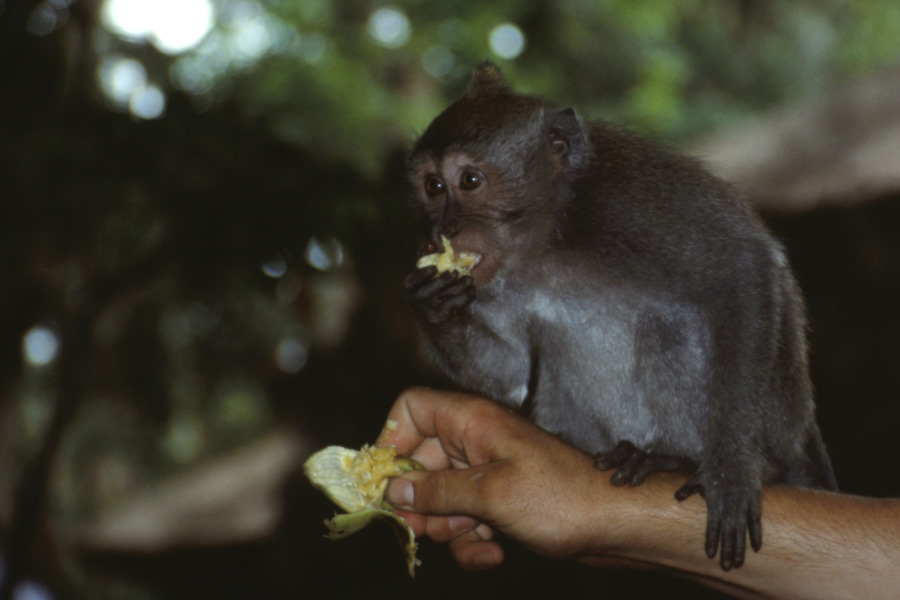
{"x":637,"y":298}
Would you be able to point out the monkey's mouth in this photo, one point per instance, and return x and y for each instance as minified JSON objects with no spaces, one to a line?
{"x":470,"y":259}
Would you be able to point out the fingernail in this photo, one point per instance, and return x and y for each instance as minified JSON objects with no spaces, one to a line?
{"x":460,"y":523}
{"x":401,"y":493}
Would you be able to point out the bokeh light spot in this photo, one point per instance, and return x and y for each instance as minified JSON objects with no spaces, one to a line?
{"x":192,"y":75}
{"x":131,"y":19}
{"x":275,"y":267}
{"x":390,"y":27}
{"x":148,"y":103}
{"x":313,"y":47}
{"x":120,"y":78}
{"x":290,"y":356}
{"x":438,"y":61}
{"x":507,"y":41}
{"x":40,"y":346}
{"x":30,"y":590}
{"x":173,"y":26}
{"x":324,"y":255}
{"x":45,"y":18}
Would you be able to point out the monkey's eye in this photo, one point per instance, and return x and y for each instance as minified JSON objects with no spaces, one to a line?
{"x":470,"y":180}
{"x":559,"y":146}
{"x":434,"y":186}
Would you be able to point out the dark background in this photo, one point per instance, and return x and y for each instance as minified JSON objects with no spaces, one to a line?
{"x":224,"y":277}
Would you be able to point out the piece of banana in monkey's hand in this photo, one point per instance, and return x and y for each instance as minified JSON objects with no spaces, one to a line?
{"x":448,"y":260}
{"x":356,"y":481}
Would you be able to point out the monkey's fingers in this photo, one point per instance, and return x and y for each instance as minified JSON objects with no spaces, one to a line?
{"x":733,"y":542}
{"x":432,"y":289}
{"x":729,"y":524}
{"x":419,"y":277}
{"x":730,"y":513}
{"x":713,"y":529}
{"x":444,"y":309}
{"x":691,"y":487}
{"x":635,"y":464}
{"x":439,"y":299}
{"x":754,"y":524}
{"x":458,"y":299}
{"x":632,"y":465}
{"x":463,"y":285}
{"x":619,"y":454}
{"x":651,"y":464}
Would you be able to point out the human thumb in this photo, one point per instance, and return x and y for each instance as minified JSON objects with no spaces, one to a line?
{"x":401,"y":493}
{"x":446,"y":492}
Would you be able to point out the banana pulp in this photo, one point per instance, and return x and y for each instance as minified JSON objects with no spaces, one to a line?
{"x":448,"y":260}
{"x":356,"y":481}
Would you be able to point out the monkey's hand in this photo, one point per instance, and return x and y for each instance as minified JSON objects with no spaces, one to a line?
{"x":438,"y":298}
{"x":733,"y":505}
{"x":633,"y":464}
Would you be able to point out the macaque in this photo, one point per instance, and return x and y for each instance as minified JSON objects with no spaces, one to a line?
{"x":621,"y":297}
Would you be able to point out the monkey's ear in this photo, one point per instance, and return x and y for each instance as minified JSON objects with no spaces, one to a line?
{"x":487,"y":81}
{"x":568,"y":137}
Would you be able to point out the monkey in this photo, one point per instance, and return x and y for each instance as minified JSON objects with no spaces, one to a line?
{"x":622,"y":297}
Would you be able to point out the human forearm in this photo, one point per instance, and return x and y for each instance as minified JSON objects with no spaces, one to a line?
{"x":816,"y":544}
{"x":505,"y":474}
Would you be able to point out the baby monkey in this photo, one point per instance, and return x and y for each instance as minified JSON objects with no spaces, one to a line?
{"x":619,"y":295}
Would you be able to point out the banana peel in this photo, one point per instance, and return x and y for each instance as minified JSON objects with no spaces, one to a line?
{"x":356,"y":482}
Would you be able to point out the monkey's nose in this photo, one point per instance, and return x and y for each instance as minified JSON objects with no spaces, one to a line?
{"x":436,"y":232}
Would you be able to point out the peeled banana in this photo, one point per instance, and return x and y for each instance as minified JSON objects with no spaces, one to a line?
{"x":448,"y":260}
{"x":356,"y":481}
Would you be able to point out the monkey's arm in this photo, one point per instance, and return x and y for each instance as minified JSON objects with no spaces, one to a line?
{"x":747,"y":412}
{"x":464,"y":342}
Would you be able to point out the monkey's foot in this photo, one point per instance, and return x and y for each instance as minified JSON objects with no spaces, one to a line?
{"x":733,"y":510}
{"x":634,"y":464}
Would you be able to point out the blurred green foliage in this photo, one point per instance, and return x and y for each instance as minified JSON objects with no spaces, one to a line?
{"x":670,"y":69}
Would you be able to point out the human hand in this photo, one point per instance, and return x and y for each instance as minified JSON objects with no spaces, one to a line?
{"x":487,"y":470}
{"x":505,"y":474}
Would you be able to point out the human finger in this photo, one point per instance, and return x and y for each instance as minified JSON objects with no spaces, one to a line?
{"x":431,"y":455}
{"x":416,"y":521}
{"x":474,"y":551}
{"x":444,"y":529}
{"x":417,"y":414}
{"x":468,"y":426}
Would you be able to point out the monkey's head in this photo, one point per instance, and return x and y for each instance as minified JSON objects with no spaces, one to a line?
{"x":493,"y":167}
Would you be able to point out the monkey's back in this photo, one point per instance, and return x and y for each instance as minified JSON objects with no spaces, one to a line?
{"x":679,"y":271}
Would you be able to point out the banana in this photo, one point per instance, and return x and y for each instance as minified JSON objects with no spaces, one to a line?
{"x":448,"y":260}
{"x":356,"y":481}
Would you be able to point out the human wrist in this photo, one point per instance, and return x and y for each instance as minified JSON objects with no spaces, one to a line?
{"x":644,"y":524}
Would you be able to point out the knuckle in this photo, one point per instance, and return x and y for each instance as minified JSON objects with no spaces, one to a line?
{"x":414,"y":394}
{"x":435,"y":494}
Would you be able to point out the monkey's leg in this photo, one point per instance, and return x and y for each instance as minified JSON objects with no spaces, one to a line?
{"x":634,"y":464}
{"x":731,"y":527}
